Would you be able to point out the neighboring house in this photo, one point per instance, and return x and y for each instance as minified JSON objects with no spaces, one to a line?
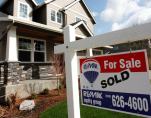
{"x":29,"y":31}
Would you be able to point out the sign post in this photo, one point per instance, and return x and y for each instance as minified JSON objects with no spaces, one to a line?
{"x":70,"y":47}
{"x":71,"y":75}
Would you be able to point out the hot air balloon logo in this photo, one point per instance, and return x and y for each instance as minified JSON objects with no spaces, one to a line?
{"x":91,"y":70}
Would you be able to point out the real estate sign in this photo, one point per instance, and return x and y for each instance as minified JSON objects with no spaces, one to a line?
{"x":117,"y":82}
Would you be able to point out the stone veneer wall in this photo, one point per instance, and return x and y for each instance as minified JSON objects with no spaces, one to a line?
{"x":13,"y":72}
{"x":1,"y":73}
{"x":35,"y":71}
{"x":9,"y":72}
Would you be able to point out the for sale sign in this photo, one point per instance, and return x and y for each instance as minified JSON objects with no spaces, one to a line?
{"x":118,"y":82}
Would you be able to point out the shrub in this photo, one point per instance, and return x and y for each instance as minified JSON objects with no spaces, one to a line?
{"x":65,"y":85}
{"x":46,"y":91}
{"x":33,"y":95}
{"x":61,"y":86}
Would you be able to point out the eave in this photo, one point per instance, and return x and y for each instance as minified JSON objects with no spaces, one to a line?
{"x":31,"y":23}
{"x":4,"y":1}
{"x":43,"y":3}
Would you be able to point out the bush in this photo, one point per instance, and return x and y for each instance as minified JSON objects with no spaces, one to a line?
{"x":33,"y":95}
{"x":46,"y":91}
{"x":60,"y":86}
{"x":65,"y":85}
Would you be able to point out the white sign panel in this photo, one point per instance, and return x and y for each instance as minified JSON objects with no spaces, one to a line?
{"x":117,"y":82}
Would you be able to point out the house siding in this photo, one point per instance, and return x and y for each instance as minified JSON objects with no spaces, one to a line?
{"x":29,"y":2}
{"x":3,"y":25}
{"x":40,"y":15}
{"x":49,"y":22}
{"x":81,"y":31}
{"x":62,"y":3}
{"x":71,"y":19}
{"x":3,"y":48}
{"x":80,"y":8}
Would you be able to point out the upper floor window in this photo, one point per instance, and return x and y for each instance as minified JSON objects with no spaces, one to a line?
{"x":56,"y":16}
{"x":59,"y":17}
{"x":85,"y":22}
{"x":23,"y":10}
{"x":53,"y":15}
{"x":79,"y":19}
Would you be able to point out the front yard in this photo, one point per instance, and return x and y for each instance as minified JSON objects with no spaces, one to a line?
{"x":60,"y":111}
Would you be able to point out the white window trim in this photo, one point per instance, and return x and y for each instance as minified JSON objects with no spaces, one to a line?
{"x":81,"y":19}
{"x":32,"y":48}
{"x":56,"y":17}
{"x":18,"y":11}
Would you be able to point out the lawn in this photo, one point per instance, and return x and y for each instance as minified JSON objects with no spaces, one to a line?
{"x":60,"y":111}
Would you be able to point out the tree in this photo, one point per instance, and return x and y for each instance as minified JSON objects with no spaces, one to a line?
{"x":58,"y":71}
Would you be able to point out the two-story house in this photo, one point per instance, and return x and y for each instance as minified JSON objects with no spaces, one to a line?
{"x":29,"y":31}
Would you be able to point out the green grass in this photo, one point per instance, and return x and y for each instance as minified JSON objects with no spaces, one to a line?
{"x":60,"y":111}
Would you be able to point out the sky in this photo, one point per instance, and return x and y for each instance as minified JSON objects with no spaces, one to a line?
{"x":112,"y":15}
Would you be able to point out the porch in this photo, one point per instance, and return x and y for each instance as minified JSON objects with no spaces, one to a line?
{"x":25,"y":88}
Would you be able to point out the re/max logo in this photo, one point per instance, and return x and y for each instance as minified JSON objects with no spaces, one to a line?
{"x":90,"y":65}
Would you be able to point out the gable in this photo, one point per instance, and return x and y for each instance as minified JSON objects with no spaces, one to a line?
{"x":5,"y":1}
{"x":62,"y":3}
{"x":83,"y":5}
{"x":81,"y":30}
{"x":80,"y":8}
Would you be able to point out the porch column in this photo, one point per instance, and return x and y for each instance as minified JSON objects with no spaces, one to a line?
{"x":11,"y":48}
{"x":89,"y":52}
{"x":11,"y":64}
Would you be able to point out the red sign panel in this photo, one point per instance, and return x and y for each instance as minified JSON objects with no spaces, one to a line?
{"x":134,"y":61}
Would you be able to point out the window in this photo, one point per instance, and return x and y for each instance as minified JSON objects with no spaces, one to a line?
{"x":59,"y":17}
{"x":115,"y":48}
{"x":56,"y":16}
{"x":79,"y":19}
{"x":31,"y":50}
{"x":53,"y":15}
{"x":24,"y":50}
{"x":23,"y":10}
{"x":39,"y":51}
{"x":85,"y":22}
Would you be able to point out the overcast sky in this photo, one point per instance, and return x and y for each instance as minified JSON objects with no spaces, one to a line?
{"x":113,"y":15}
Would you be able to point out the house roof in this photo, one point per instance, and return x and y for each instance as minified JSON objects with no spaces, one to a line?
{"x":76,"y":24}
{"x":73,"y":3}
{"x":66,"y":7}
{"x":43,"y":3}
{"x":4,"y":1}
{"x":30,"y":23}
{"x":3,"y":14}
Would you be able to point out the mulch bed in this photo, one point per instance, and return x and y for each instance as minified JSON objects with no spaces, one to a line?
{"x":42,"y":103}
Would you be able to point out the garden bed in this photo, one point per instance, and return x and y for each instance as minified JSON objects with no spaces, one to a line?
{"x":42,"y":103}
